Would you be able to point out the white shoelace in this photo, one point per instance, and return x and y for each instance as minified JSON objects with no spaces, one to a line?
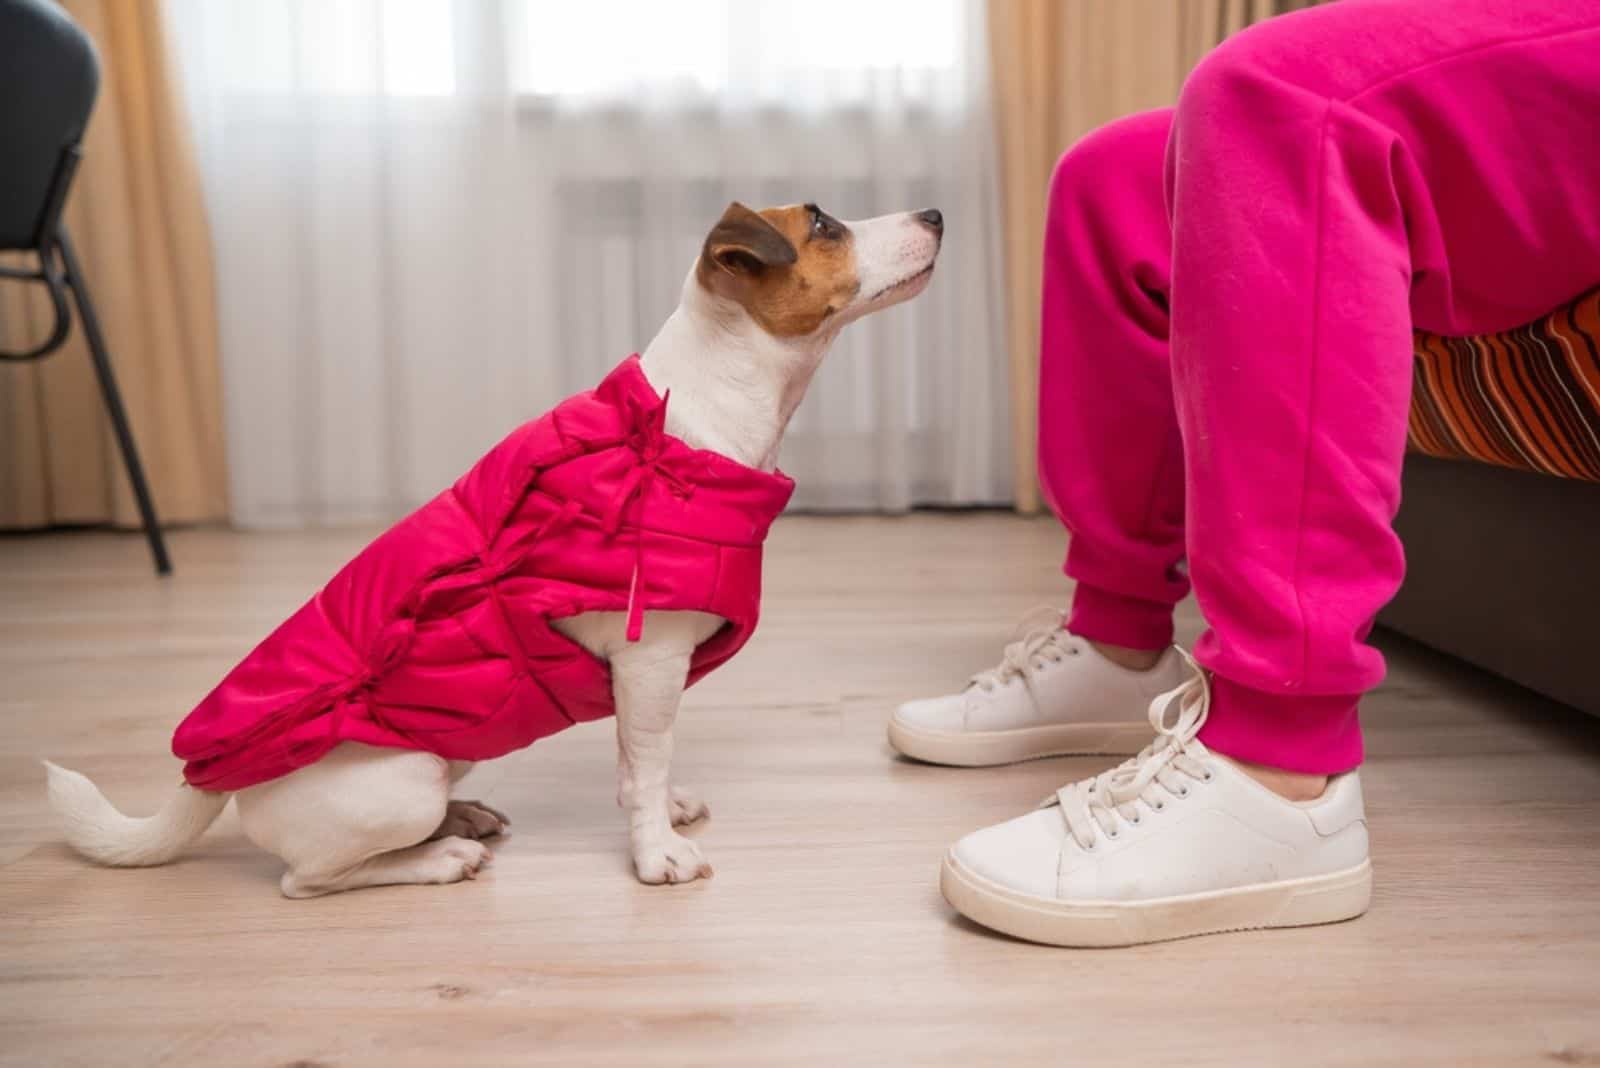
{"x":1041,"y":637}
{"x":1161,"y":772}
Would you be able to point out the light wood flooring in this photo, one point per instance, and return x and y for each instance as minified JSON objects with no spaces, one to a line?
{"x":823,"y":939}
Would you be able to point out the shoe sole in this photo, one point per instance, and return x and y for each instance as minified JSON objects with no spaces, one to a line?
{"x":1305,"y":902}
{"x":987,"y":749}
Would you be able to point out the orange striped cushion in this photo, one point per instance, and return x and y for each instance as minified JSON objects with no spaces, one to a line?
{"x":1527,"y":398}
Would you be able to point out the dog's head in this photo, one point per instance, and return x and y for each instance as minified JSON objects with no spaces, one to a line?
{"x":765,"y":299}
{"x":798,"y":272}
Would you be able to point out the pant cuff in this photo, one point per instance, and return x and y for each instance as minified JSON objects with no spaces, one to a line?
{"x":1317,"y":735}
{"x":1101,"y":616}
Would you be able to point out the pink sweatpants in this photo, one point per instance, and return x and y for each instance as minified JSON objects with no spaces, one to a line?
{"x":1229,"y":292}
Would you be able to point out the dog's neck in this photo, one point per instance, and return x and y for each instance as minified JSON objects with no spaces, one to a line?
{"x":734,"y":386}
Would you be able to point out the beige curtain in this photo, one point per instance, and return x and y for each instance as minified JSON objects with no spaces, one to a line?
{"x":136,"y":216}
{"x":1061,"y":68}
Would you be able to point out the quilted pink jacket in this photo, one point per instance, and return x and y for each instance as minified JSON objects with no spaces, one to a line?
{"x":437,"y":636}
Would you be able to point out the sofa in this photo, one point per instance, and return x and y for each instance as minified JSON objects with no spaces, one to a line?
{"x":1501,"y":503}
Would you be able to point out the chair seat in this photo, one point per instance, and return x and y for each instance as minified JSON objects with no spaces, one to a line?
{"x":48,"y":80}
{"x":1527,"y":398}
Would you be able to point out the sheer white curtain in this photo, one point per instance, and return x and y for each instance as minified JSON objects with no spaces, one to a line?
{"x":437,"y":218}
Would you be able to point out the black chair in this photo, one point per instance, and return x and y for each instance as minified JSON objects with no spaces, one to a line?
{"x":48,"y":79}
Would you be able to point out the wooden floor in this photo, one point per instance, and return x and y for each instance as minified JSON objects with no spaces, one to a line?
{"x":822,"y":940}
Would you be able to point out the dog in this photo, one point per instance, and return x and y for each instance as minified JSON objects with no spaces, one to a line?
{"x":760,"y":307}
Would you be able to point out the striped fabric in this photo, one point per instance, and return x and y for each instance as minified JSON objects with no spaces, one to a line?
{"x":1526,"y":398}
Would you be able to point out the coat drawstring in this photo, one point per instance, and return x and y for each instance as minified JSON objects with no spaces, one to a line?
{"x":647,"y":438}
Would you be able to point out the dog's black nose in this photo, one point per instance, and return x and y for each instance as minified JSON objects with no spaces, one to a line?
{"x":934,"y":218}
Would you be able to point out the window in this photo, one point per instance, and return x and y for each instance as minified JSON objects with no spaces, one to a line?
{"x":336,"y":47}
{"x":705,"y":47}
{"x":572,"y":49}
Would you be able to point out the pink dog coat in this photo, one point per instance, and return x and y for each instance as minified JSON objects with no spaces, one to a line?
{"x":437,"y":636}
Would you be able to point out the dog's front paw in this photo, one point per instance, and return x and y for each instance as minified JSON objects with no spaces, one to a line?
{"x":687,"y":807}
{"x":673,"y":859}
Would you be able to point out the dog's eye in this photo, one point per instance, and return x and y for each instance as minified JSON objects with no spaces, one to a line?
{"x":824,"y":226}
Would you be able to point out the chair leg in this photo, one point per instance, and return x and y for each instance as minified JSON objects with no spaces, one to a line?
{"x":113,"y":400}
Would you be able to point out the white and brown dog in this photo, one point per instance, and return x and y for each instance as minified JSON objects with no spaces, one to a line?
{"x":760,"y":308}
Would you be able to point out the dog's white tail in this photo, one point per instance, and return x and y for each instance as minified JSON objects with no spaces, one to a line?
{"x":96,"y":829}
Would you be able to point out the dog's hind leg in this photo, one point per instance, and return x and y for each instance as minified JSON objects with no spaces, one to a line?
{"x":361,"y":816}
{"x":438,"y":860}
{"x":471,"y":819}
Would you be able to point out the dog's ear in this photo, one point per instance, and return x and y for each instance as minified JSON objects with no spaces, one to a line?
{"x":743,"y":243}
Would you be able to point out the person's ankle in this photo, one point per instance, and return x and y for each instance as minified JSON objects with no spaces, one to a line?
{"x":1289,"y":785}
{"x":1132,"y":659}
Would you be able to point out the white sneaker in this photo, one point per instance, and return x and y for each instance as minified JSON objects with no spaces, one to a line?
{"x":1052,"y":694}
{"x":1175,"y":842}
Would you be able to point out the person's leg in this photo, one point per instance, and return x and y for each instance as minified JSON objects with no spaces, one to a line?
{"x":1320,"y":195}
{"x":1111,"y":464}
{"x":1333,"y":175}
{"x":1110,"y":456}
